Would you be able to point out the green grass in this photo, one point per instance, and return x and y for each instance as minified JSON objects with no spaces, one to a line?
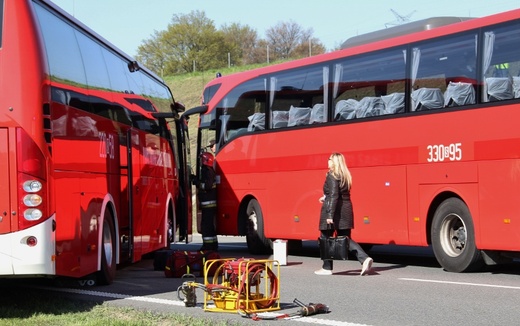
{"x":24,"y":306}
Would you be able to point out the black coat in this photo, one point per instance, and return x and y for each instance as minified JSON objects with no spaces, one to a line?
{"x":207,"y":185}
{"x":337,"y":205}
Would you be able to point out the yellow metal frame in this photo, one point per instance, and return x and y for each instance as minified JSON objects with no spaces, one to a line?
{"x":241,"y":284}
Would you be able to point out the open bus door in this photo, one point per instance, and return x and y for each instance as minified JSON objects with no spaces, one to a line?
{"x":183,"y":229}
{"x":184,"y":208}
{"x":129,"y":164}
{"x":185,"y":117}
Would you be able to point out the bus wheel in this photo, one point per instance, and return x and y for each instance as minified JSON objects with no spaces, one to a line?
{"x":108,"y":252}
{"x":256,"y":241}
{"x":172,"y":228}
{"x":453,"y":237}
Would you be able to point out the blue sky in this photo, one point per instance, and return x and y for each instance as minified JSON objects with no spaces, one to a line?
{"x":126,"y":23}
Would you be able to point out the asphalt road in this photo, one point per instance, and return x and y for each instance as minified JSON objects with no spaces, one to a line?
{"x":405,"y":287}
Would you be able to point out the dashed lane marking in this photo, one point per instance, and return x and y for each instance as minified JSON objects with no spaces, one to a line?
{"x":462,"y":283}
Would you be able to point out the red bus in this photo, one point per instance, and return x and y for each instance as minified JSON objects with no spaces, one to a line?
{"x":91,"y":173}
{"x":427,"y":121}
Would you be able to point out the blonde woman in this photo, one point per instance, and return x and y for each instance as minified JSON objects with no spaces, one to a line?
{"x":336,"y":212}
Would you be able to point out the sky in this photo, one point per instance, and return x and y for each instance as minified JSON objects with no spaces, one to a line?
{"x":127,"y":23}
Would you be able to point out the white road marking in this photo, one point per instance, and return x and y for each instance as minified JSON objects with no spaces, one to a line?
{"x":462,"y":283}
{"x":310,"y":320}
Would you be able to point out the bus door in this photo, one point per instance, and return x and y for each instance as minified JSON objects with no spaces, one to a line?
{"x":130,"y":174}
{"x":185,"y":203}
{"x":5,"y":216}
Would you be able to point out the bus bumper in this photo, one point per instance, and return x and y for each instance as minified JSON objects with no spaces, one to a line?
{"x":19,"y":259}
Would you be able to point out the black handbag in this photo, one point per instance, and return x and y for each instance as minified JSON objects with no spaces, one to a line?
{"x":335,"y":248}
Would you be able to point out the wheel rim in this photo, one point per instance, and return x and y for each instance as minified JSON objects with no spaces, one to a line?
{"x":107,"y":243}
{"x":453,"y":235}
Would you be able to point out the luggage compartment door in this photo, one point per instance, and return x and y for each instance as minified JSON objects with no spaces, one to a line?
{"x":5,"y":198}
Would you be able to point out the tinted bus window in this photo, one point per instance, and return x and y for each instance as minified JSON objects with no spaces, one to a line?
{"x":65,"y":63}
{"x":369,"y":85}
{"x":95,"y":67}
{"x":243,"y":109}
{"x":292,"y":95}
{"x":501,"y":63}
{"x":436,"y":64}
{"x":116,"y":72}
{"x":209,"y":92}
{"x":160,"y":96}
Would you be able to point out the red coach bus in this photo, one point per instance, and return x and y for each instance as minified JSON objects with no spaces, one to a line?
{"x":91,"y":173}
{"x":427,"y":121}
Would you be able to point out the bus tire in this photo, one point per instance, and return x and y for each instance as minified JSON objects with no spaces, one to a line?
{"x":453,"y":237}
{"x":108,"y":251}
{"x":256,"y":241}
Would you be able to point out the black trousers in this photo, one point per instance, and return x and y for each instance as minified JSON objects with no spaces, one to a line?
{"x":353,"y":248}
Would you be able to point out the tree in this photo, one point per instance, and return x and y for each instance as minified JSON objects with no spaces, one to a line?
{"x":152,"y":54}
{"x":242,"y":41}
{"x":308,"y":47}
{"x":190,"y":42}
{"x":288,"y":40}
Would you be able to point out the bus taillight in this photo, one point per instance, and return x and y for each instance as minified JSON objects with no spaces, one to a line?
{"x":32,"y":189}
{"x":32,"y":201}
{"x":31,"y":241}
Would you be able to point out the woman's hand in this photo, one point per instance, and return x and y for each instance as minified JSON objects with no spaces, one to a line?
{"x":322,"y":199}
{"x":329,"y":221}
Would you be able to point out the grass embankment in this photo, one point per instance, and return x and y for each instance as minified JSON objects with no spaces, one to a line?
{"x":22,"y":306}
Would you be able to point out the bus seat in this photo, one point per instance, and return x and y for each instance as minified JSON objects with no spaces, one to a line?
{"x":459,"y":94}
{"x":345,"y":109}
{"x":298,"y":116}
{"x":394,"y":103}
{"x":516,"y":86}
{"x":499,"y":88}
{"x":318,"y":114}
{"x":427,"y":99}
{"x":280,"y":119}
{"x":256,"y":122}
{"x":369,"y":107}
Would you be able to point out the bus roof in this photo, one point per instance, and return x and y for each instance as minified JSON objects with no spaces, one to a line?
{"x":416,"y":26}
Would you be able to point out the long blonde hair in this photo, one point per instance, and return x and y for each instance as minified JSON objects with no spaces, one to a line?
{"x":340,"y":170}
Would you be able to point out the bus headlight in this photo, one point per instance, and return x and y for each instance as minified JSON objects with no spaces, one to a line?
{"x":32,"y":214}
{"x":32,"y":200}
{"x":32,"y":186}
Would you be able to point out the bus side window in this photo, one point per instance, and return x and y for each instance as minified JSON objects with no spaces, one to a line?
{"x":443,"y":72}
{"x":362,"y":84}
{"x":501,"y":63}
